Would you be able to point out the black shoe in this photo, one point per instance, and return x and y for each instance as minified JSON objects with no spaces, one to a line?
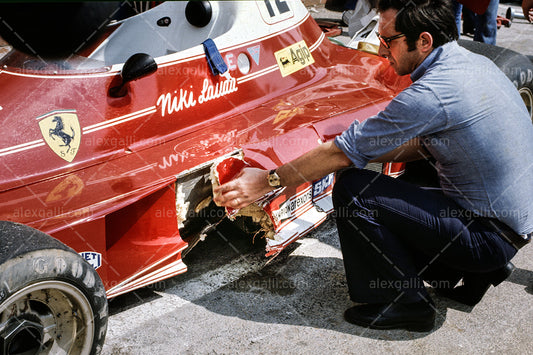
{"x":418,"y":317}
{"x":475,"y":285}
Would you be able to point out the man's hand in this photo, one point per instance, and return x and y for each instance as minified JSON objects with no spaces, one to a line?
{"x":527,"y":8}
{"x":252,"y":183}
{"x":248,"y":186}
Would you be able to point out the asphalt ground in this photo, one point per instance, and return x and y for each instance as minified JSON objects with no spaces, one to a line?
{"x":234,"y":300}
{"x":518,"y":37}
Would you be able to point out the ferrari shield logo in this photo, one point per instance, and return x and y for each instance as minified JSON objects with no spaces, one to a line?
{"x":61,"y":131}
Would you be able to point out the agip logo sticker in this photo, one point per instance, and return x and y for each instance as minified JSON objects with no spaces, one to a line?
{"x":61,"y":131}
{"x":294,"y":58}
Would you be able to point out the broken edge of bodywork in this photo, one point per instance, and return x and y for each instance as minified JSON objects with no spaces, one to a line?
{"x":285,"y":214}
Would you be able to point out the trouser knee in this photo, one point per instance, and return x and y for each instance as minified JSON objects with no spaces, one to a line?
{"x":350,"y":184}
{"x":352,"y":197}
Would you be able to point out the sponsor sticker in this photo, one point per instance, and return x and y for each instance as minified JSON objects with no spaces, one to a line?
{"x":319,"y":186}
{"x":255,"y":53}
{"x":93,"y":258}
{"x":61,"y":131}
{"x":293,"y":58}
{"x":288,"y":208}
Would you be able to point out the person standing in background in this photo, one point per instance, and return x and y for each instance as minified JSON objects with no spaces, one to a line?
{"x":484,"y":26}
{"x":527,"y":8}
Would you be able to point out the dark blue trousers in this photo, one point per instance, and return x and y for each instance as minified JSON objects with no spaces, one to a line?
{"x":394,"y":235}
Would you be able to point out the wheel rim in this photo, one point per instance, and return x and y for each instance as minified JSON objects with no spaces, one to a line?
{"x":527,"y":96}
{"x":47,"y":317}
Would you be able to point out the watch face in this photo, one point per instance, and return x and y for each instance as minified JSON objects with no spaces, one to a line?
{"x":273,"y":179}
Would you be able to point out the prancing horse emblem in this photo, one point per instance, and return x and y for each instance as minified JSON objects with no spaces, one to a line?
{"x":58,"y":131}
{"x":61,"y":131}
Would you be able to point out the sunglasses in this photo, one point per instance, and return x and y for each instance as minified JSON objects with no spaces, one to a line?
{"x":385,"y":41}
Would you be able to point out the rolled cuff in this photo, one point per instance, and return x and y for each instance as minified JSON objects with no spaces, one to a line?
{"x":343,"y":143}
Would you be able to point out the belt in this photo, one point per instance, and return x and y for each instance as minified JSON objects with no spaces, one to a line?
{"x":506,"y":233}
{"x":517,"y":240}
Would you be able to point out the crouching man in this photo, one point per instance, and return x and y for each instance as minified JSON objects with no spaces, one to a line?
{"x":465,"y":114}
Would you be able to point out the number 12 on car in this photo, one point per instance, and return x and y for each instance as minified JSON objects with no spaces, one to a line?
{"x":273,"y":11}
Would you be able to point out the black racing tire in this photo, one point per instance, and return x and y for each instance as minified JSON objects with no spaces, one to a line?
{"x":517,"y":67}
{"x":51,"y":300}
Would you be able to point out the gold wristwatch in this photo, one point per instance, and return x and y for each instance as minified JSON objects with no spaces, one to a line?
{"x":274,"y":179}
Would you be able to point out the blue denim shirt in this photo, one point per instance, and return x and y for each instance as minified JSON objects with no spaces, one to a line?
{"x":472,"y":120}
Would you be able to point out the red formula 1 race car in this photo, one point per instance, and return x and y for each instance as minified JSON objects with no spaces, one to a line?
{"x":109,"y":155}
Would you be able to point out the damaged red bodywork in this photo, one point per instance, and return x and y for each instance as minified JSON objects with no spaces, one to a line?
{"x":122,"y":179}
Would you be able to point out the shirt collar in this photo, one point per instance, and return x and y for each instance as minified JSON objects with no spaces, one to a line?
{"x":430,"y":59}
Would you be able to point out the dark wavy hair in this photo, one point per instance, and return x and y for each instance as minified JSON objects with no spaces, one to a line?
{"x":417,"y":16}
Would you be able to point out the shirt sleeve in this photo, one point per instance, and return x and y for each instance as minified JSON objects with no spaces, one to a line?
{"x":415,"y":112}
